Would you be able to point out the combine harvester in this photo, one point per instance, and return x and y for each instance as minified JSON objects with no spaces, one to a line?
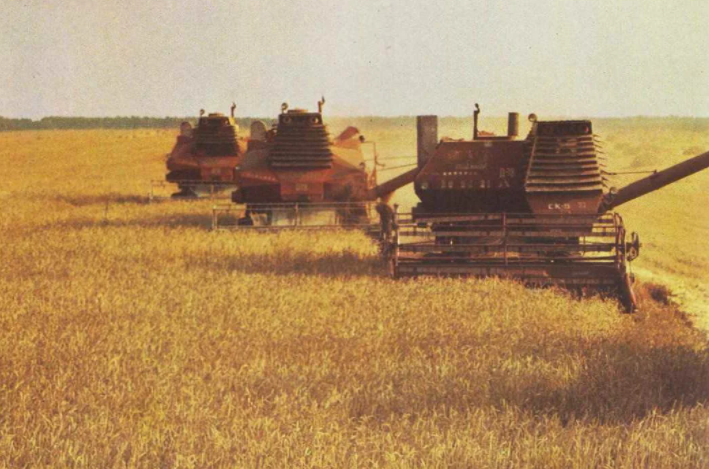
{"x":203,"y":159}
{"x":295,"y":176}
{"x":538,"y":209}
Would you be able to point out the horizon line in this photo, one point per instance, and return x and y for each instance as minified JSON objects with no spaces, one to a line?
{"x":367,"y":116}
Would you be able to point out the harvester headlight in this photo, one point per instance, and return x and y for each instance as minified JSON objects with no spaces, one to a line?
{"x":315,"y":120}
{"x":424,"y":185}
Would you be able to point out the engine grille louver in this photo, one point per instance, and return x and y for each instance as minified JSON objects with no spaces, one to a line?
{"x":564,"y":163}
{"x":301,"y":143}
{"x":216,"y":137}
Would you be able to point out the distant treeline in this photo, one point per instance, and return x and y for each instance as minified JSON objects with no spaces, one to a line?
{"x":699,"y":124}
{"x":132,"y":122}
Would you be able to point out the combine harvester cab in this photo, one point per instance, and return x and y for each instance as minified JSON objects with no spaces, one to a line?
{"x":537,"y":210}
{"x":203,"y":159}
{"x":300,"y":177}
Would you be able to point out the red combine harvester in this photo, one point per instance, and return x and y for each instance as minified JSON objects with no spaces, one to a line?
{"x":296,"y":175}
{"x":538,"y":209}
{"x":203,"y":159}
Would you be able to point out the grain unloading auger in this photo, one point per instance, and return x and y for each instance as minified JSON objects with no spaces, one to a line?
{"x":538,"y":210}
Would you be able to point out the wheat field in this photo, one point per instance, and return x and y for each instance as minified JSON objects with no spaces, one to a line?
{"x":133,"y":337}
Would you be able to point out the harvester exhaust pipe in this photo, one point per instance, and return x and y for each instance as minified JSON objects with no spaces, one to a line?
{"x":426,"y":138}
{"x":426,"y":142}
{"x":657,"y":181}
{"x":512,"y":124}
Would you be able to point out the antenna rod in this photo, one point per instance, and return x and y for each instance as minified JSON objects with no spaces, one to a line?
{"x":475,"y":121}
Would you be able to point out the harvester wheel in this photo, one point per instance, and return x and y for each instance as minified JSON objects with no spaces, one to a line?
{"x":392,"y":268}
{"x":633,"y":247}
{"x":384,"y":249}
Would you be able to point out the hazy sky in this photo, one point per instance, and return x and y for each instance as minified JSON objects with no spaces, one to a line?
{"x":149,"y":57}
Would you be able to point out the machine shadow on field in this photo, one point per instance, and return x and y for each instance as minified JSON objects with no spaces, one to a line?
{"x":626,"y":377}
{"x":103,"y":199}
{"x":110,"y":218}
{"x":624,"y":382}
{"x":334,"y":264}
{"x":620,"y":383}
